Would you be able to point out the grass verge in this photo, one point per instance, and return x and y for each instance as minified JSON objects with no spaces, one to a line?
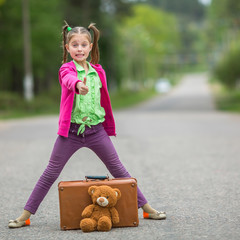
{"x":226,"y":99}
{"x":14,"y":106}
{"x":123,"y":99}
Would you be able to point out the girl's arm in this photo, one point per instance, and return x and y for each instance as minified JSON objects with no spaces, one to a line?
{"x":68,"y":78}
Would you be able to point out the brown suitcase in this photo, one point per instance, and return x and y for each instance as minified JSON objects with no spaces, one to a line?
{"x":74,"y":197}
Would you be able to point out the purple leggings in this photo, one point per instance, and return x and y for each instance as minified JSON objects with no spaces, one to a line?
{"x":94,"y":138}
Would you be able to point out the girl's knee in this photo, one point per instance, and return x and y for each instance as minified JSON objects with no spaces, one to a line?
{"x":49,"y":176}
{"x":119,"y":172}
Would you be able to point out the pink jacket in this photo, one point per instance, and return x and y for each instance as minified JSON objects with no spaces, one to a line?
{"x":68,"y":80}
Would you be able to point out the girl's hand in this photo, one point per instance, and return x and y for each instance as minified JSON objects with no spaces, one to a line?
{"x":82,"y":88}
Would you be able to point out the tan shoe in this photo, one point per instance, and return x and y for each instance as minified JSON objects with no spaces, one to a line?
{"x":156,"y":216}
{"x":18,"y":224}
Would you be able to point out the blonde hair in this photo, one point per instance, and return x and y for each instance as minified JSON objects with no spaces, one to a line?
{"x":68,"y":34}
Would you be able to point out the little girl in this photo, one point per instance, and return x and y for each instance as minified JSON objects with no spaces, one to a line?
{"x":86,"y":119}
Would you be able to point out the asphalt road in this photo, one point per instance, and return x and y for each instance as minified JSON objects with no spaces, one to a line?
{"x":184,"y":153}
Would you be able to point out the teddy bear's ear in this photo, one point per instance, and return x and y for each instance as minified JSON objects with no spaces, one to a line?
{"x":91,"y":190}
{"x":117,"y":192}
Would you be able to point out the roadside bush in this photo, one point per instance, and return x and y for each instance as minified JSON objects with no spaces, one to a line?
{"x":227,"y":71}
{"x":13,"y":105}
{"x":10,"y":100}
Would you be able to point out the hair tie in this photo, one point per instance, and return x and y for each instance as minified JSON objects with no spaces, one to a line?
{"x":69,"y":28}
{"x":89,"y":29}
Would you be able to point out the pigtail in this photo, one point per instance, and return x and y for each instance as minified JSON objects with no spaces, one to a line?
{"x":64,"y":34}
{"x":95,"y":55}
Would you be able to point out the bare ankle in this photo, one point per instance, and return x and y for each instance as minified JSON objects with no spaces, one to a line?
{"x":25,"y":215}
{"x":148,"y":209}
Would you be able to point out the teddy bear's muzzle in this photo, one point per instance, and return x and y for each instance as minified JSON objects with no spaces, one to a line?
{"x":102,"y":201}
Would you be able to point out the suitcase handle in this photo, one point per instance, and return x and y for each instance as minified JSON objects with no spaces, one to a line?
{"x":97,"y":177}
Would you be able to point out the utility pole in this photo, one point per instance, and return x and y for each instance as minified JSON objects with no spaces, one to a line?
{"x":28,"y":77}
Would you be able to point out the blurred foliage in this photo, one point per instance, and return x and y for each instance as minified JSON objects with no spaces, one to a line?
{"x":45,"y":25}
{"x":145,"y":53}
{"x":227,"y":70}
{"x":11,"y":46}
{"x":190,"y":15}
{"x":1,"y":2}
{"x":12,"y":105}
{"x":225,"y":12}
{"x":188,"y":9}
{"x":224,"y":34}
{"x":127,"y":98}
{"x":223,"y":22}
{"x":229,"y":101}
{"x":226,"y":99}
{"x":139,"y":42}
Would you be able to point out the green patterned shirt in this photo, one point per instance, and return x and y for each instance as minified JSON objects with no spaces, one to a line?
{"x":87,"y":109}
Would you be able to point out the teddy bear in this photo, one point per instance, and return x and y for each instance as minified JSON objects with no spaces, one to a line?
{"x":101,"y":214}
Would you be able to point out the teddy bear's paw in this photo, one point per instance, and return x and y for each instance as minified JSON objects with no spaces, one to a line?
{"x":115,"y":220}
{"x":88,"y":225}
{"x":104,"y":224}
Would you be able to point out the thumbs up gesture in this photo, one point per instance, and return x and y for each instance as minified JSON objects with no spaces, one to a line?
{"x":82,"y":88}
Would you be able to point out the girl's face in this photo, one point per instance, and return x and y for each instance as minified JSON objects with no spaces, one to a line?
{"x":79,"y":48}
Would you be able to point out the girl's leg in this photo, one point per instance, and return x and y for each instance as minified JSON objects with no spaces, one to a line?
{"x":105,"y":150}
{"x":62,"y":151}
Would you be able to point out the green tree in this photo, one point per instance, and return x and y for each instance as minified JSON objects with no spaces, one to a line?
{"x":190,"y":15}
{"x":224,"y":35}
{"x":227,"y":69}
{"x":11,"y":43}
{"x":190,"y":9}
{"x":145,"y":43}
{"x":225,"y":12}
{"x":45,"y":17}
